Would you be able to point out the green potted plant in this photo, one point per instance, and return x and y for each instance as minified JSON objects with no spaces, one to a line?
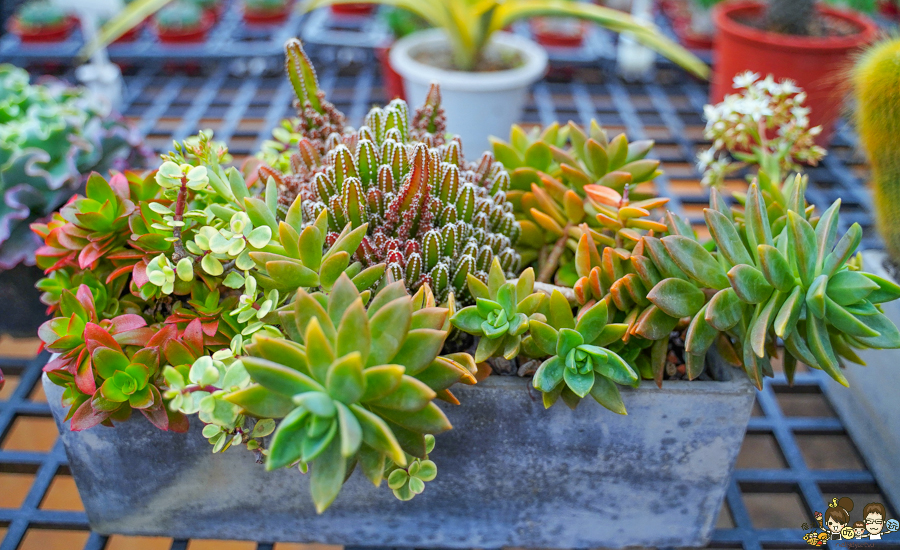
{"x":182,"y":22}
{"x":803,"y":40}
{"x":50,"y":135}
{"x":266,"y":12}
{"x":873,"y":78}
{"x":317,"y":304}
{"x":477,"y":64}
{"x":41,"y":21}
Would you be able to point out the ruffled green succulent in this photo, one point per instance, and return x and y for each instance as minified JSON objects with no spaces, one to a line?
{"x":356,"y":384}
{"x":501,"y":312}
{"x":51,"y":138}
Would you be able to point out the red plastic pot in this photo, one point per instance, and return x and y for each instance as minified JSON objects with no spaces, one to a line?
{"x":186,"y":36}
{"x":393,"y":82}
{"x":266,"y":17}
{"x":814,"y":63}
{"x":889,"y":8}
{"x":353,"y":9}
{"x":32,"y":35}
{"x":130,"y":36}
{"x":548,"y":33}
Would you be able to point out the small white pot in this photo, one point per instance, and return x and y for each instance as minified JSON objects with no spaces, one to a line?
{"x":477,"y":105}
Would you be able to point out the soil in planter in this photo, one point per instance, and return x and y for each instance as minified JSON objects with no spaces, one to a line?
{"x":821,"y":25}
{"x":493,"y":60}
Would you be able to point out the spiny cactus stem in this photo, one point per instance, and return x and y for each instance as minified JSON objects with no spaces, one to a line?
{"x":549,"y":267}
{"x":548,"y":289}
{"x":179,"y":252}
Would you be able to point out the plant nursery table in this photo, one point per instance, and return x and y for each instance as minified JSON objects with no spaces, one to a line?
{"x":797,"y":454}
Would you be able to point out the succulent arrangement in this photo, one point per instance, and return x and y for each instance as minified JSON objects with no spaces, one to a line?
{"x":314,"y":305}
{"x":50,"y":135}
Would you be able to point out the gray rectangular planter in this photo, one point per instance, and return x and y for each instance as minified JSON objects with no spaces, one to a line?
{"x":870,"y":407}
{"x":510,"y":473}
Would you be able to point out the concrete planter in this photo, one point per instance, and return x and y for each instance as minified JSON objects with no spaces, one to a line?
{"x":870,"y":407}
{"x":510,"y":473}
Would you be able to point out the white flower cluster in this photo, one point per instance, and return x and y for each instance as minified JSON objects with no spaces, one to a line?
{"x":765,"y":121}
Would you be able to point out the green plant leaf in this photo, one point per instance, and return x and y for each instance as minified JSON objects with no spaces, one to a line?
{"x":353,"y":333}
{"x":775,"y":268}
{"x":677,"y":297}
{"x":580,"y":384}
{"x":592,"y":321}
{"x":350,"y":431}
{"x":429,"y":420}
{"x":549,"y":374}
{"x":278,"y":378}
{"x":695,"y":261}
{"x":724,"y":310}
{"x":606,"y":393}
{"x":327,"y":475}
{"x":345,"y":380}
{"x":803,"y":240}
{"x":287,"y":441}
{"x":749,"y":284}
{"x":411,"y":395}
{"x":419,"y":349}
{"x":389,"y":327}
{"x":258,"y":401}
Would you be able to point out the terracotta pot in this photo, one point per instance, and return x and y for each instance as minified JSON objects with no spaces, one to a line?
{"x":814,"y":63}
{"x":353,"y":9}
{"x":54,"y":33}
{"x":266,"y":17}
{"x":186,"y":36}
{"x":393,"y":82}
{"x":558,"y":34}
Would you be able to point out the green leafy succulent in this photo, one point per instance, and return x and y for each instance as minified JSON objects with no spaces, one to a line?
{"x":579,"y":364}
{"x":356,"y":385}
{"x":568,"y":181}
{"x":501,"y":314}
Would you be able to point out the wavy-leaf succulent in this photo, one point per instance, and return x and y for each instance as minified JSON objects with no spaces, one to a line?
{"x":50,"y":135}
{"x":430,"y":216}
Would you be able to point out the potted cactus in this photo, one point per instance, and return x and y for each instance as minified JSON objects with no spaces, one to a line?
{"x":182,"y":22}
{"x":50,"y":135}
{"x":807,"y":42}
{"x":339,"y":304}
{"x":484,"y":72}
{"x":266,"y":12}
{"x":41,"y":21}
{"x":874,"y":79}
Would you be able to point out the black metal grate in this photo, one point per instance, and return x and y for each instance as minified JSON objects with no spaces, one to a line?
{"x":780,"y":467}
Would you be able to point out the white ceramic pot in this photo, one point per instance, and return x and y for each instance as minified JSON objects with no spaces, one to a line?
{"x":477,"y":105}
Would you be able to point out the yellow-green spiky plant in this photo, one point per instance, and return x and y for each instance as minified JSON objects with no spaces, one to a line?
{"x":876,"y":85}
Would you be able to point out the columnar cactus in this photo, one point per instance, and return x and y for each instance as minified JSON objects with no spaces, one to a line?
{"x":875,"y":80}
{"x":432,"y":217}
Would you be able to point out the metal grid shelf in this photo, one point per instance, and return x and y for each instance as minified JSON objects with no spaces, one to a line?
{"x":782,"y":475}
